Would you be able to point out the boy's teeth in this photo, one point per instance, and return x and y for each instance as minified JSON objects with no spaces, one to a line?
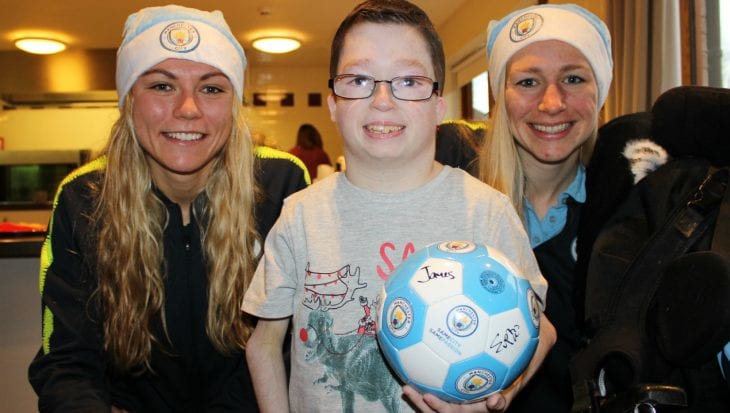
{"x":383,"y":128}
{"x":552,"y":129}
{"x":185,"y":136}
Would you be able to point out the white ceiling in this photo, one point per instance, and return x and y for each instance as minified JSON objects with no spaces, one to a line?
{"x":94,"y":24}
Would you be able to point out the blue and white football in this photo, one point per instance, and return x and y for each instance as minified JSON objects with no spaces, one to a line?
{"x":458,"y":320}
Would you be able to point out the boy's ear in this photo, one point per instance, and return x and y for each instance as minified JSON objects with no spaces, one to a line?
{"x":332,"y":105}
{"x":440,"y":109}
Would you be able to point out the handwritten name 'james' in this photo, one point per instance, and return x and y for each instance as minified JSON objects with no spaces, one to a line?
{"x":429,"y":275}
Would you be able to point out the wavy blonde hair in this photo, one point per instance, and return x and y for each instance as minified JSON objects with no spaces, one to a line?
{"x":130,"y":252}
{"x":499,"y":161}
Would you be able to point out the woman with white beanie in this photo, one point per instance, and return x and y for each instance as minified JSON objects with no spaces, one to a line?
{"x":550,"y":69}
{"x":151,"y":246}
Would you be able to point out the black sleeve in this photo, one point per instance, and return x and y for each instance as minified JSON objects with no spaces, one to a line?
{"x":277,"y":178}
{"x":68,"y":372}
{"x":237,"y":395}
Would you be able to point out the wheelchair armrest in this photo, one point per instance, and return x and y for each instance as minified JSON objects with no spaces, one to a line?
{"x":662,"y":398}
{"x":654,"y":397}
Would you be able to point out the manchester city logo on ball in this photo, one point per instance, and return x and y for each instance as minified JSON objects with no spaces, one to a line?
{"x":462,"y":320}
{"x":457,"y":247}
{"x":475,"y":381}
{"x":400,"y":317}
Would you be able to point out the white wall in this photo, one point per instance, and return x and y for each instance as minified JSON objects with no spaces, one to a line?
{"x":281,"y":123}
{"x":56,"y":128}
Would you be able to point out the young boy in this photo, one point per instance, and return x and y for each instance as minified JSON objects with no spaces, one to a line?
{"x":336,"y":243}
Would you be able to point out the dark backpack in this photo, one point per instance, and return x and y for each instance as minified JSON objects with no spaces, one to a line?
{"x":654,"y":259}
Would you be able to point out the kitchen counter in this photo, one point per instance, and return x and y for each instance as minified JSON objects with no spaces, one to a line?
{"x":21,"y":246}
{"x":20,"y":323}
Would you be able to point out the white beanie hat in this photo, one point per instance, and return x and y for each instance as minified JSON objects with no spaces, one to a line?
{"x":568,"y":23}
{"x":155,"y":34}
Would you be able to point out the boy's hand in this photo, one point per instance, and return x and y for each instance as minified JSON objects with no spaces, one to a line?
{"x":428,"y":403}
{"x":498,"y":402}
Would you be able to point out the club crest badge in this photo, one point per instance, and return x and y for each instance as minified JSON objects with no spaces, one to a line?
{"x":181,"y":37}
{"x":458,"y":247}
{"x":525,"y":26}
{"x":400,"y":316}
{"x":475,"y":381}
{"x":462,"y":321}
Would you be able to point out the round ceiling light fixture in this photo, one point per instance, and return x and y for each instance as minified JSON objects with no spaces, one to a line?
{"x":276,"y":44}
{"x":38,"y":45}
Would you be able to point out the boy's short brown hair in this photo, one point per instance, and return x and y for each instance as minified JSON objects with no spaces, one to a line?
{"x":397,"y":12}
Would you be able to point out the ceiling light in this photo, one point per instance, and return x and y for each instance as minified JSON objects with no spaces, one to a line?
{"x":271,"y":97}
{"x":276,"y":45}
{"x":38,"y":45}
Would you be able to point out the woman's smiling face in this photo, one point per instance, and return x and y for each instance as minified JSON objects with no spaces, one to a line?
{"x":551,"y":100}
{"x":182,"y":114}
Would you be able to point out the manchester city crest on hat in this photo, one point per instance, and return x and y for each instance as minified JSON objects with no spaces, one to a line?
{"x":525,"y":26}
{"x":180,"y":37}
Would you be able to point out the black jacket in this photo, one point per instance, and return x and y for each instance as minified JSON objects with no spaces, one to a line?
{"x":71,"y":371}
{"x":550,"y":389}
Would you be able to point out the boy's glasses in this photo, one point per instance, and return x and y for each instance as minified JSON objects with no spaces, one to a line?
{"x":402,"y":87}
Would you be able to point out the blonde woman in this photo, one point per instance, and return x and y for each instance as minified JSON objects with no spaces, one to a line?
{"x":550,"y":68}
{"x":151,"y":247}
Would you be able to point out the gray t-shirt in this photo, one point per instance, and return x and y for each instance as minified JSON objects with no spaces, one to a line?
{"x":327,"y":257}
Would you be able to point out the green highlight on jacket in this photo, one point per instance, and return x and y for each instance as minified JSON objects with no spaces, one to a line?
{"x":473,"y":125}
{"x":265,"y":152}
{"x":46,"y":257}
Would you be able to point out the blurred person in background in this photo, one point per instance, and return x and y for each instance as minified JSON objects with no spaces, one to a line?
{"x":310,"y":150}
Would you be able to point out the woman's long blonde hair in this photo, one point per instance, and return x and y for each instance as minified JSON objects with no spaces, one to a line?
{"x":130,"y":222}
{"x":499,"y":160}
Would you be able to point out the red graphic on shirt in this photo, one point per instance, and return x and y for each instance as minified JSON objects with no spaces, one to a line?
{"x":366,"y":325}
{"x":331,"y":290}
{"x":407,"y":250}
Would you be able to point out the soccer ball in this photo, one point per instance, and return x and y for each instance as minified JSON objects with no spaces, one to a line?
{"x":458,"y":320}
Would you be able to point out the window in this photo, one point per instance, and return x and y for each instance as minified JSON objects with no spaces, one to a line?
{"x":718,"y":43}
{"x":475,"y":98}
{"x":480,"y":96}
{"x":708,"y":43}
